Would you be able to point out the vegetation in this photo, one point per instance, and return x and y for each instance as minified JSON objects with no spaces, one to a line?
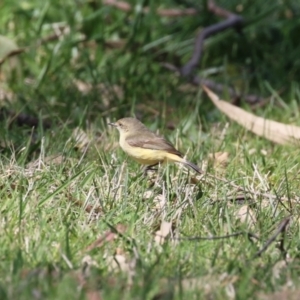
{"x":78,"y":219}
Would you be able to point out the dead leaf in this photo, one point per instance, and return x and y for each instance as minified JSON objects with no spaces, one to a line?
{"x":9,"y":62}
{"x":9,"y":65}
{"x":8,"y":48}
{"x":148,"y":195}
{"x":92,"y":209}
{"x":81,"y":139}
{"x":263,"y":152}
{"x":115,"y":44}
{"x":162,"y":233}
{"x":274,"y":131}
{"x":87,"y":262}
{"x":120,"y":262}
{"x":108,"y":236}
{"x":278,"y":269}
{"x":252,"y":151}
{"x":93,"y":295}
{"x":160,"y":202}
{"x":219,"y":159}
{"x":59,"y":32}
{"x":5,"y":93}
{"x":246,"y":215}
{"x":83,"y":87}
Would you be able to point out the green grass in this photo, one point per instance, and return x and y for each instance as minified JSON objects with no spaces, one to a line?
{"x":59,"y":195}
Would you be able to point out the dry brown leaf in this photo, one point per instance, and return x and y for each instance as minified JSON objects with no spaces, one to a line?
{"x":148,"y":195}
{"x":120,"y":262}
{"x":87,"y":262}
{"x":161,"y":234}
{"x":8,"y":50}
{"x":160,"y":202}
{"x":246,"y":215}
{"x":279,"y":268}
{"x":10,"y":66}
{"x":93,"y":295}
{"x":115,"y":44}
{"x":274,"y":131}
{"x":81,"y":139}
{"x":5,"y":93}
{"x":220,"y":159}
{"x":108,"y":236}
{"x":92,"y":209}
{"x":252,"y":151}
{"x":59,"y":32}
{"x":83,"y":87}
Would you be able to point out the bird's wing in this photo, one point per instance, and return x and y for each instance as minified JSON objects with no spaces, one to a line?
{"x":153,"y":142}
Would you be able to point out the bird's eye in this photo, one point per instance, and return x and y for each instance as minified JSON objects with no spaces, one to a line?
{"x":120,"y":124}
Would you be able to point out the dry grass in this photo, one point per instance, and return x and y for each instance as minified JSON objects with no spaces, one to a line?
{"x":78,"y":219}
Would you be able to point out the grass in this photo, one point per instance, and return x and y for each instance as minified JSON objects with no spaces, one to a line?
{"x":78,"y":219}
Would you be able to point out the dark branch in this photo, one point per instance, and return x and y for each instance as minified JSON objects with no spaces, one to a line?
{"x":189,"y":67}
{"x":232,"y":21}
{"x":210,"y":238}
{"x":280,"y":230}
{"x":217,"y":87}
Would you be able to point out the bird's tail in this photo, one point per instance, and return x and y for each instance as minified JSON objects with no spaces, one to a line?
{"x":177,"y":158}
{"x":193,"y":166}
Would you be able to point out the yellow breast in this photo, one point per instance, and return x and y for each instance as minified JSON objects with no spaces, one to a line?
{"x":147,"y":156}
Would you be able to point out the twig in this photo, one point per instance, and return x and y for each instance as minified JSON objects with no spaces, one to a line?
{"x":281,"y":245}
{"x":217,"y":87}
{"x":59,"y":32}
{"x":280,"y":230}
{"x":232,"y":20}
{"x":108,"y":236}
{"x":88,"y":208}
{"x":210,"y":238}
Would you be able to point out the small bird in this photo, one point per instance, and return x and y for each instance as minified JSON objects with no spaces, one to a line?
{"x":146,"y":147}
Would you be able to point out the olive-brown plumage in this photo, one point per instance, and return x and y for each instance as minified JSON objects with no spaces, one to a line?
{"x":145,"y":146}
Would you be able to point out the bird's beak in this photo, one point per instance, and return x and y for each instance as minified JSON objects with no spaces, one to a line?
{"x":112,"y":124}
